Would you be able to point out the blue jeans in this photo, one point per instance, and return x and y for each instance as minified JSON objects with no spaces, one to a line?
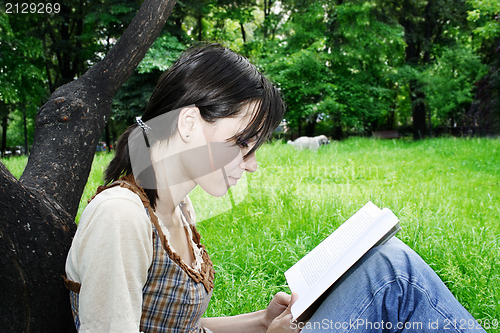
{"x":391,"y":289}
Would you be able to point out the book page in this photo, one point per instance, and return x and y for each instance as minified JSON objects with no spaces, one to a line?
{"x":367,"y":233}
{"x":316,"y":263}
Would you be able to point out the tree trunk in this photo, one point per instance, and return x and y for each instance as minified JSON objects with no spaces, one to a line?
{"x":243,"y":34}
{"x":35,"y":235}
{"x":417,"y":96}
{"x":311,"y":125}
{"x":199,"y":19}
{"x":37,"y":212}
{"x":25,"y":130}
{"x":5,"y":118}
{"x":337,"y":132}
{"x":419,"y":110}
{"x":413,"y":57}
{"x":266,"y":14}
{"x":107,"y":138}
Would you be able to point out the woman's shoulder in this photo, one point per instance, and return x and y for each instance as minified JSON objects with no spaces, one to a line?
{"x":113,"y":203}
{"x":113,"y":227}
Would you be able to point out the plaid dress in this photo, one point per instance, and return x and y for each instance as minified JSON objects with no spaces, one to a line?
{"x":175,"y":295}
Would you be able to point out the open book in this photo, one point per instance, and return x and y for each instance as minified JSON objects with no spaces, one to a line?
{"x":312,"y":275}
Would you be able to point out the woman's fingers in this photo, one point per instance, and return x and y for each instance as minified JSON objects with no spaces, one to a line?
{"x":281,"y":309}
{"x":282,"y":298}
{"x":288,"y":311}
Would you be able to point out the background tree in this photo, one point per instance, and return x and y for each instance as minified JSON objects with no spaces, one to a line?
{"x":450,"y":86}
{"x":373,"y":65}
{"x":56,"y":49}
{"x":366,"y":54}
{"x":484,"y":115}
{"x":36,"y":215}
{"x":133,"y":95}
{"x":22,"y":80}
{"x":353,"y":67}
{"x":339,"y":67}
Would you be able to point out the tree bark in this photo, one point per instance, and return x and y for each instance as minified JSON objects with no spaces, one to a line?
{"x":25,"y":130}
{"x":415,"y":47}
{"x":35,"y":235}
{"x":5,"y":118}
{"x":419,"y":110}
{"x":243,"y":34}
{"x":37,"y":212}
{"x":199,"y":19}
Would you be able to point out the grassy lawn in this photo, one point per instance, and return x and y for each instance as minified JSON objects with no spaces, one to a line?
{"x":445,"y":191}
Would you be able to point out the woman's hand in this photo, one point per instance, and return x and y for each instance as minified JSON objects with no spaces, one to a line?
{"x":278,"y":304}
{"x":278,"y":312}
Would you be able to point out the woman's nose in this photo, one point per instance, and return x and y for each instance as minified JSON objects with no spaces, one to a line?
{"x":249,"y":164}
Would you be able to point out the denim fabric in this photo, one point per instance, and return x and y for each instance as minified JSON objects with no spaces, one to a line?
{"x":391,"y":289}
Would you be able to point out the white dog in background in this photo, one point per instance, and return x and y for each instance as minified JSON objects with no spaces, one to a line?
{"x":305,"y":142}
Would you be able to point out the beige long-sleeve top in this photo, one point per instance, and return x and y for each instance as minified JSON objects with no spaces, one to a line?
{"x":111,"y":253}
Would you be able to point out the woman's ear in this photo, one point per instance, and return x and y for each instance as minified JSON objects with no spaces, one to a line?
{"x":188,"y":122}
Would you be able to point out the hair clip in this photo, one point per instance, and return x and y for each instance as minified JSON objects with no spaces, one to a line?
{"x":142,"y":124}
{"x":145,"y":129}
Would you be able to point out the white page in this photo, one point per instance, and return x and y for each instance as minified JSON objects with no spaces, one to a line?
{"x":384,"y":222}
{"x":308,"y":270}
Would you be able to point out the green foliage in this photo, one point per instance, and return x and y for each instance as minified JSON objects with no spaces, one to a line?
{"x":39,"y":52}
{"x":339,"y":63}
{"x":21,"y":71}
{"x":15,"y":130}
{"x":231,"y":23}
{"x":450,"y":84}
{"x":22,"y":79}
{"x":342,"y":66}
{"x":303,"y":78}
{"x":133,"y":96}
{"x":366,"y":55}
{"x":485,"y":16}
{"x":165,"y":50}
{"x":103,"y":24}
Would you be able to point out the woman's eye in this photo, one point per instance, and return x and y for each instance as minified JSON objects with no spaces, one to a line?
{"x":242,"y":143}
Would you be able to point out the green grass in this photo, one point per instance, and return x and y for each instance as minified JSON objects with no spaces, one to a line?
{"x":445,"y":191}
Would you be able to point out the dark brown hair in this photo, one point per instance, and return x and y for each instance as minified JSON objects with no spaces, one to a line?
{"x":218,"y":82}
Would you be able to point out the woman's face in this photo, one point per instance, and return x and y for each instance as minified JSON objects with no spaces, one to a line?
{"x":225,"y":157}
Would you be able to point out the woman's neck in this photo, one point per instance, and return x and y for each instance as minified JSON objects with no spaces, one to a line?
{"x":172,"y":178}
{"x":169,"y":198}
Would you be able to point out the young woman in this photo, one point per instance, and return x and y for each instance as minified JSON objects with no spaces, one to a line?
{"x":136,"y":262}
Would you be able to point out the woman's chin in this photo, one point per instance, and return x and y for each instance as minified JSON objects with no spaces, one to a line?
{"x":217,"y":192}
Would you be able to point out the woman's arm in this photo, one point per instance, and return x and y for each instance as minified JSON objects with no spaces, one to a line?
{"x":276,"y":318}
{"x":254,"y":322}
{"x":110,"y":257}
